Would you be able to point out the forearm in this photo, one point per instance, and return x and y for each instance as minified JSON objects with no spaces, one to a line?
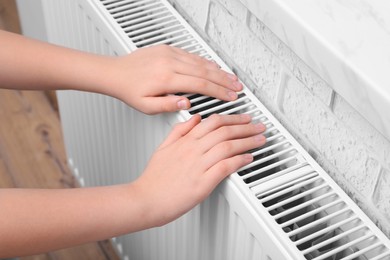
{"x":35,"y":65}
{"x":40,"y":220}
{"x":142,"y":79}
{"x":195,"y":157}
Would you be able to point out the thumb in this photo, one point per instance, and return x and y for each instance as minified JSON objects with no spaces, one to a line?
{"x":169,"y":103}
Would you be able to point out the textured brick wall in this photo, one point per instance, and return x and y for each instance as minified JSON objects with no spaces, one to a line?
{"x":354,"y":153}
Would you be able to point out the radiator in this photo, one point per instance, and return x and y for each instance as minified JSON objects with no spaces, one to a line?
{"x":281,"y":206}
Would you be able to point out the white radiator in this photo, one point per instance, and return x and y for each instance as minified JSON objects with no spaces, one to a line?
{"x":281,"y":206}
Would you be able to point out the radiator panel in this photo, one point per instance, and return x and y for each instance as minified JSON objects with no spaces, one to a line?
{"x":249,"y":215}
{"x":108,"y":142}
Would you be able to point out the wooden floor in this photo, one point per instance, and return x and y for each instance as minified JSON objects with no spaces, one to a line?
{"x":31,"y":148}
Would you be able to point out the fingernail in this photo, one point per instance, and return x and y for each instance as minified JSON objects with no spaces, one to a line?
{"x":232,"y":77}
{"x":182,"y":104}
{"x":260,"y":138}
{"x":232,"y":95}
{"x":248,"y":157}
{"x":260,"y":127}
{"x":237,"y":85}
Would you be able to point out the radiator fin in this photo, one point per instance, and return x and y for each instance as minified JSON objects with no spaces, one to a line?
{"x":148,"y":22}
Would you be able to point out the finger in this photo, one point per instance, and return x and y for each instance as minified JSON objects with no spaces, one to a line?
{"x":193,"y":57}
{"x":170,"y":103}
{"x":218,"y":76}
{"x":232,"y":132}
{"x":196,"y":85}
{"x":195,"y":60}
{"x":180,"y":130}
{"x":216,"y":121}
{"x":224,"y":168}
{"x":231,"y":148}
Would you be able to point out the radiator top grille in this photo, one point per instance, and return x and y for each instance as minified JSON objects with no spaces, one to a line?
{"x":319,"y":219}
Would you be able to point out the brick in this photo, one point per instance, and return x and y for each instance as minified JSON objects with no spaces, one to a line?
{"x":196,"y":10}
{"x":292,"y":62}
{"x":261,"y":31}
{"x":335,"y":143}
{"x":381,"y":197}
{"x":375,"y":141}
{"x":375,"y":215}
{"x":246,"y":51}
{"x":235,"y":8}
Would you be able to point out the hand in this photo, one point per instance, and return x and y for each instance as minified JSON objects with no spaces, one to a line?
{"x":192,"y":161}
{"x":143,"y":79}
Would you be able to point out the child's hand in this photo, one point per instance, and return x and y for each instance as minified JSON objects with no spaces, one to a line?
{"x":192,"y":161}
{"x":143,"y":78}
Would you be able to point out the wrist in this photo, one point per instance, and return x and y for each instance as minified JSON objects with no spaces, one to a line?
{"x":149,"y":207}
{"x":94,"y":73}
{"x":138,"y":207}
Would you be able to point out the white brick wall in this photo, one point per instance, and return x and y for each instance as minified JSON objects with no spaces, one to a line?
{"x":354,"y":153}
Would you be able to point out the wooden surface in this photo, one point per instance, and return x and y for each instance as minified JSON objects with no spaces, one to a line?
{"x":9,"y":19}
{"x":31,"y":148}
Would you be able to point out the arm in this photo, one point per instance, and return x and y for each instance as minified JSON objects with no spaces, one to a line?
{"x":193,"y":159}
{"x":160,"y":70}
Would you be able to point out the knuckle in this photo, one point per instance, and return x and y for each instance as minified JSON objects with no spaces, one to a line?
{"x":164,"y":62}
{"x":224,"y":167}
{"x":165,"y":108}
{"x":224,"y":132}
{"x":203,"y":73}
{"x":198,"y":60}
{"x":227,"y":146}
{"x":203,"y":83}
{"x":216,"y":117}
{"x":193,"y":152}
{"x":164,"y":76}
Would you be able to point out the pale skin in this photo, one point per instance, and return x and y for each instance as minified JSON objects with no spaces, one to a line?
{"x":195,"y":157}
